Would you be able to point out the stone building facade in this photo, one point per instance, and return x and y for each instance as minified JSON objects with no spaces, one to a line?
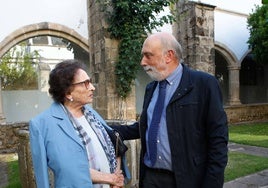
{"x":195,"y":30}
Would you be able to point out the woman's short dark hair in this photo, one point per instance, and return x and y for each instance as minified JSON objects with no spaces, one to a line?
{"x":61,"y":78}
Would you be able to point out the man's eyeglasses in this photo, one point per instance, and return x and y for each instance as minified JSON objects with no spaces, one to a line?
{"x":85,"y":82}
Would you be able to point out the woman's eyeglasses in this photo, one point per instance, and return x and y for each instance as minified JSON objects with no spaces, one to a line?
{"x":85,"y":82}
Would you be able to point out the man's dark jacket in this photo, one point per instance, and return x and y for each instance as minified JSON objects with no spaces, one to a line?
{"x":197,"y":131}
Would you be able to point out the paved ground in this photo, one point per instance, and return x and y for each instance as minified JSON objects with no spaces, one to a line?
{"x":3,"y":175}
{"x":258,"y":180}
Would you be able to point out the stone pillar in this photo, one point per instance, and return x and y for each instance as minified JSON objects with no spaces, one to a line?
{"x":2,"y":117}
{"x":43,"y":77}
{"x":25,"y":160}
{"x":103,"y":56}
{"x":195,"y":31}
{"x":234,"y":88}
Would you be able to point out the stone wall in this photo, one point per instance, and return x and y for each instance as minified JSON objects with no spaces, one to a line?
{"x":8,"y":136}
{"x":103,"y":56}
{"x":195,"y":32}
{"x":25,"y":160}
{"x":247,"y":113}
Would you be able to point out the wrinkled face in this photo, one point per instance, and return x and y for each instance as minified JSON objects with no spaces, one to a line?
{"x":153,"y":59}
{"x":82,"y":88}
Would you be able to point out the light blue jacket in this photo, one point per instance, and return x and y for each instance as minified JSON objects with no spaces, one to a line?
{"x":55,"y":144}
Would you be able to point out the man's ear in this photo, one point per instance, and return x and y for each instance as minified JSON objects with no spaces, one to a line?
{"x":169,"y":55}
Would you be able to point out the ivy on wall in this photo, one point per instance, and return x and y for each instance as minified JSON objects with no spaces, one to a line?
{"x":129,"y":22}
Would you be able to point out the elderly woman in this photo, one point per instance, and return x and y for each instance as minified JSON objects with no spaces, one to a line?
{"x":70,"y":138}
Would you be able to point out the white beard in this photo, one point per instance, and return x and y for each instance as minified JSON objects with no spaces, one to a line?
{"x":153,"y":73}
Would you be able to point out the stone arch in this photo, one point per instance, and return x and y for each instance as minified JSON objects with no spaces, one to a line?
{"x":39,"y":29}
{"x":227,"y":53}
{"x":233,"y":67}
{"x":253,"y":80}
{"x":244,"y":55}
{"x":43,"y":28}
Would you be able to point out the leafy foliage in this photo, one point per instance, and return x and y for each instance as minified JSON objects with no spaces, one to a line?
{"x":258,"y":27}
{"x":17,"y":69}
{"x":129,"y":22}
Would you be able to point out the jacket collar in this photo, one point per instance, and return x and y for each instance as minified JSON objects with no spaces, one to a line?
{"x":64,"y":122}
{"x":185,"y":86}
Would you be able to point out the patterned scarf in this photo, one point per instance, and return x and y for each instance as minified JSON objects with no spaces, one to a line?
{"x":101,"y":134}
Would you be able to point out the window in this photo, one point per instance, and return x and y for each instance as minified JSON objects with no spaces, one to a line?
{"x":57,"y":41}
{"x":40,"y":40}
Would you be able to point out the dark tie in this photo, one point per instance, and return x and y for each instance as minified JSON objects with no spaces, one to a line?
{"x":153,"y":130}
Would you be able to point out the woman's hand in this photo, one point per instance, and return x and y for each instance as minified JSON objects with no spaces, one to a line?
{"x":115,"y":180}
{"x":118,"y":172}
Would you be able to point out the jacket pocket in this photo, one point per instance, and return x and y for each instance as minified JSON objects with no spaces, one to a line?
{"x":199,"y":160}
{"x":183,"y":104}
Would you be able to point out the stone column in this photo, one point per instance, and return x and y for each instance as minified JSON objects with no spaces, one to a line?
{"x":25,"y":160}
{"x":2,"y":117}
{"x":26,"y":170}
{"x":195,"y":31}
{"x":234,"y":88}
{"x":43,"y":77}
{"x":103,"y":57}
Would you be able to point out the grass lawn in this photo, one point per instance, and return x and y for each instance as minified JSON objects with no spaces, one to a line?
{"x":240,"y":164}
{"x":250,"y":134}
{"x":13,"y":173}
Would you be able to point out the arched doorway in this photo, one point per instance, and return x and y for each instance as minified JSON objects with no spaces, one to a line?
{"x":221,"y":73}
{"x":228,"y":70}
{"x":253,"y":81}
{"x":50,"y":39}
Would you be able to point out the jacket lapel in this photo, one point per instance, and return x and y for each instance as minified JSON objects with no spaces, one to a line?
{"x":64,"y":122}
{"x":185,"y":85}
{"x":149,"y":94}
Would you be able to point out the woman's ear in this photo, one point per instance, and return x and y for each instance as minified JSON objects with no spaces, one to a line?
{"x":68,"y":95}
{"x":69,"y":98}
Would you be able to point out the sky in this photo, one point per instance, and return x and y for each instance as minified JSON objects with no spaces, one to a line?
{"x":240,"y":6}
